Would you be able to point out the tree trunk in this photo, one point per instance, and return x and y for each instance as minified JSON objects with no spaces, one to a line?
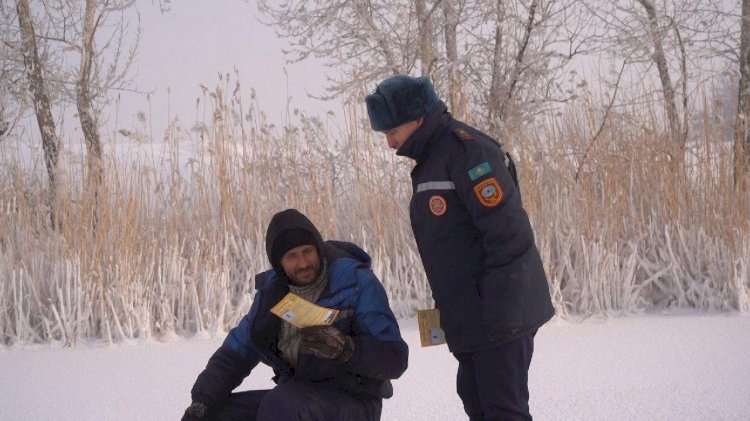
{"x":40,"y":97}
{"x":496,"y":84}
{"x":742,"y":134}
{"x":504,"y":99}
{"x":670,"y":103}
{"x":455,"y":88}
{"x":362,"y":11}
{"x":86,"y":112}
{"x":426,"y":52}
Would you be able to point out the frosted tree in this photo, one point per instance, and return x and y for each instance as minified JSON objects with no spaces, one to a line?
{"x":485,"y":55}
{"x":517,"y":55}
{"x":71,"y":52}
{"x":676,"y":41}
{"x":33,"y":64}
{"x":742,"y":124}
{"x":11,"y":71}
{"x":456,"y":92}
{"x":365,"y":39}
{"x":97,"y":32}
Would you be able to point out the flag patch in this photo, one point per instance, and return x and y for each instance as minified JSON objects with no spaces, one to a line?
{"x":489,"y":192}
{"x":480,"y":170}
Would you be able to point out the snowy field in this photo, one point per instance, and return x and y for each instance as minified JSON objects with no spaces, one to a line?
{"x":687,"y":367}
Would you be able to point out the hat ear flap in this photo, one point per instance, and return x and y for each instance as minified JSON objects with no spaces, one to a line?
{"x":427,"y":95}
{"x":380,"y":114}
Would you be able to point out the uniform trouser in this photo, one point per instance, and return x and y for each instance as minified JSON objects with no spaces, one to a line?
{"x":298,"y":401}
{"x":493,"y":383}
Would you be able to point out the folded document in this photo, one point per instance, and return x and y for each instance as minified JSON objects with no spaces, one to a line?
{"x":430,"y":332}
{"x":302,"y":313}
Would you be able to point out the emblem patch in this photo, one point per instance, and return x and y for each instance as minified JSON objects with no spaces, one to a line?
{"x":463,"y":134}
{"x":489,"y":192}
{"x":438,"y":206}
{"x":480,"y":170}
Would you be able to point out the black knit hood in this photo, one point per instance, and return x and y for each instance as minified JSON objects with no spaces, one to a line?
{"x":289,"y":229}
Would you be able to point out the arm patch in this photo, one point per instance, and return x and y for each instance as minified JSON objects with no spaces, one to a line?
{"x":463,"y":134}
{"x":489,"y":192}
{"x":480,"y":171}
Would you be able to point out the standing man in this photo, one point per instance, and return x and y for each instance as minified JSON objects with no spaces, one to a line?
{"x":336,"y":372}
{"x":476,"y":244}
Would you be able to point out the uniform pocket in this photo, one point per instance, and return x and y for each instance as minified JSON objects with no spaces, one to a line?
{"x":504,"y":294}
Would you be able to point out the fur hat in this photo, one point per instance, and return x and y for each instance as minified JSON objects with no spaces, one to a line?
{"x":398,"y":100}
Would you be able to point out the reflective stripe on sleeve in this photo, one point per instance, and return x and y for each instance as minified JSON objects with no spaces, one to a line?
{"x":435,"y":185}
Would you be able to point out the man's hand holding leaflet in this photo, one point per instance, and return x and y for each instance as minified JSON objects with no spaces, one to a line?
{"x":302,"y":313}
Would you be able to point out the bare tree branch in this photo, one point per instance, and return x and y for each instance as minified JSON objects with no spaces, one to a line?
{"x":600,"y":130}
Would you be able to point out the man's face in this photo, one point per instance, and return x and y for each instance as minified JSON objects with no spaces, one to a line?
{"x":301,"y":264}
{"x":398,"y":135}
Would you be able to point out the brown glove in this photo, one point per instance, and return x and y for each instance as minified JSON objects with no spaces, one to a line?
{"x":327,"y":342}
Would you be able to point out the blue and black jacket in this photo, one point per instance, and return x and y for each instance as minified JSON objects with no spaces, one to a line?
{"x":380,"y":353}
{"x":473,"y":235}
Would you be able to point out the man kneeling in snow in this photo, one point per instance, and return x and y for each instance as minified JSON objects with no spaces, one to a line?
{"x":340,"y":371}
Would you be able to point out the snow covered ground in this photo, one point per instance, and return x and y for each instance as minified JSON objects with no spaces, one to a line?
{"x":665,"y":367}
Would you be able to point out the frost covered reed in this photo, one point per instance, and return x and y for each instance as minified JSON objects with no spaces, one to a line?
{"x":171,"y":242}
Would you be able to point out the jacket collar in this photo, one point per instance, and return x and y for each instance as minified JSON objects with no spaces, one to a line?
{"x":417,"y":144}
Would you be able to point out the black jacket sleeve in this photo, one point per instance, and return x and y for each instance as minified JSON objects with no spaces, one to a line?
{"x":225,"y":370}
{"x":493,"y":201}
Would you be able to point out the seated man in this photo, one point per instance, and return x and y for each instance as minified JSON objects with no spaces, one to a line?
{"x":336,"y":372}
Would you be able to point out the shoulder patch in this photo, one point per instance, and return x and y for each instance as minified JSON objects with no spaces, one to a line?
{"x":438,"y":206}
{"x":480,"y":170}
{"x":463,"y":134}
{"x":489,"y":192}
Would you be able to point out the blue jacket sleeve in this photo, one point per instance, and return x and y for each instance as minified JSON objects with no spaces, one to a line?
{"x":381,"y":352}
{"x":227,"y":367}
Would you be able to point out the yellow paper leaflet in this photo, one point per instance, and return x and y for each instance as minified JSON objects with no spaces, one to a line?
{"x":430,"y":332}
{"x":302,"y":313}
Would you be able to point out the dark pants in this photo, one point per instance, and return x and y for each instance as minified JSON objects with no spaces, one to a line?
{"x":493,"y":383}
{"x":298,"y":401}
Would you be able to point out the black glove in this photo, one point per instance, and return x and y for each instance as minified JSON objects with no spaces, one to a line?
{"x":196,"y":411}
{"x":327,"y":342}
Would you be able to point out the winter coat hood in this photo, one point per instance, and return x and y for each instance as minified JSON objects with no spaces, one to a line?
{"x":289,"y":229}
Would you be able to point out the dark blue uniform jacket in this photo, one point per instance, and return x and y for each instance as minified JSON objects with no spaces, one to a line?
{"x":473,"y":235}
{"x":381,"y":354}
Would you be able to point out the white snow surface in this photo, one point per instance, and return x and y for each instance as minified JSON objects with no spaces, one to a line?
{"x":648,"y":367}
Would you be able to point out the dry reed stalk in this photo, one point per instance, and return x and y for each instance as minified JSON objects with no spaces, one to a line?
{"x":179,"y":235}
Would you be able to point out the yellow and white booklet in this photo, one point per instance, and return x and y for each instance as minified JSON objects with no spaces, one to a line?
{"x":302,"y":313}
{"x":430,"y":332}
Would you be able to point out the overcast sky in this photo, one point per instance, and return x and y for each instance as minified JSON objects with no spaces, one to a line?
{"x":197,"y":39}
